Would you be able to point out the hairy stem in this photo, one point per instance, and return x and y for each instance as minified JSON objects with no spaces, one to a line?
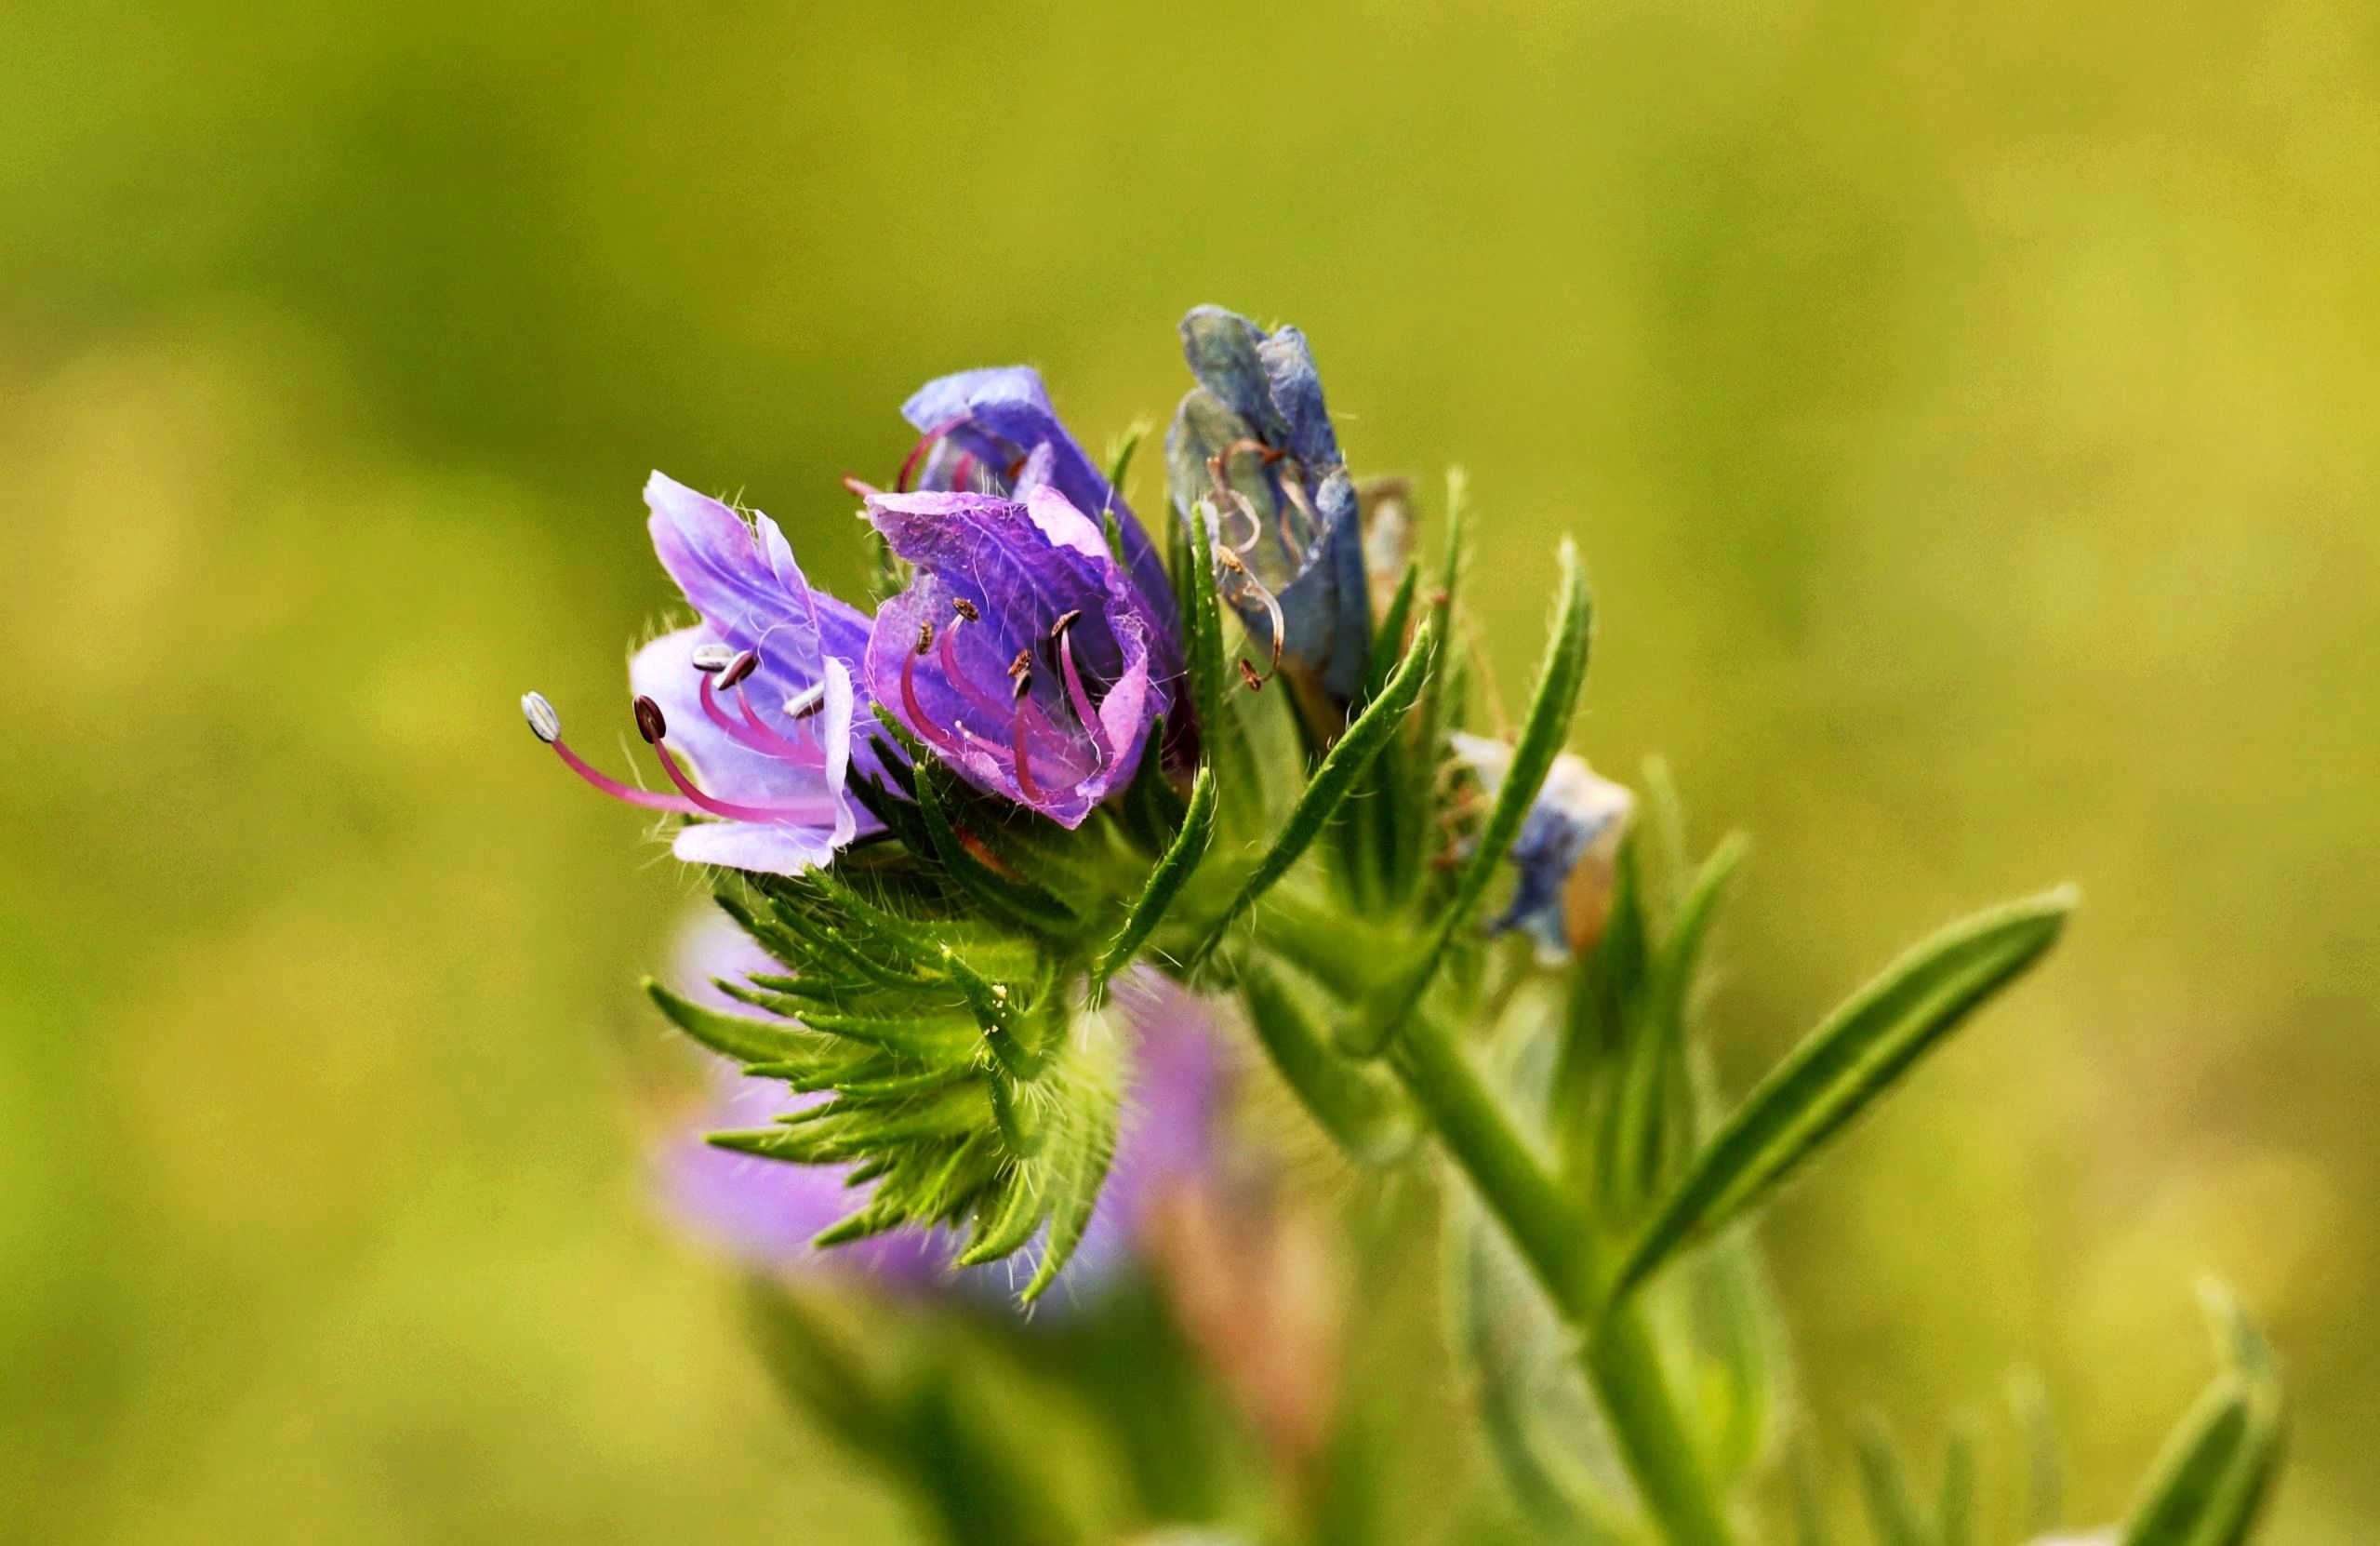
{"x":1556,"y":1237}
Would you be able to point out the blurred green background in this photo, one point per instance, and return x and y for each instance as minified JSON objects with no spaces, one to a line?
{"x":1968,"y":413}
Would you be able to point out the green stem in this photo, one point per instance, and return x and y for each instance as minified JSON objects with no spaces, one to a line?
{"x":1555,"y":1236}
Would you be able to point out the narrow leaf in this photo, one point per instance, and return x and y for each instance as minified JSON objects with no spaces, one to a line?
{"x":1166,"y":880}
{"x":2045,"y":1467}
{"x":1542,"y":735}
{"x":1365,"y":1111}
{"x":2178,"y":1502}
{"x":1884,"y":1485}
{"x":1332,"y":780}
{"x":1857,"y":1055}
{"x":738,"y":1036}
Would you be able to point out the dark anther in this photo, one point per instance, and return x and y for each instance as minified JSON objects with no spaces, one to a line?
{"x":966,"y":608}
{"x":1023,"y":662}
{"x":1065,"y":621}
{"x":924,"y":637}
{"x":743,"y":665}
{"x":1024,"y":685}
{"x":714,"y":658}
{"x":649,"y":723}
{"x":1248,"y":674}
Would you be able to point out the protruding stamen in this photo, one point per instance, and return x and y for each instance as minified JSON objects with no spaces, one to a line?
{"x":1296,"y":493}
{"x":918,"y":717}
{"x":1024,"y":661}
{"x":1248,"y":674}
{"x":711,"y":659}
{"x":649,"y":721}
{"x":918,"y":453}
{"x":547,"y":726}
{"x":1024,"y":685}
{"x":924,"y":634}
{"x":1025,"y":782}
{"x":543,"y":722}
{"x":807,"y":811}
{"x":740,"y":667}
{"x":1065,"y":620}
{"x":966,"y":608}
{"x":1252,"y":587}
{"x":809,"y":700}
{"x":1079,"y":695}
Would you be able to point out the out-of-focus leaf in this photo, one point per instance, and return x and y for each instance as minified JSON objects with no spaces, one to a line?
{"x":1857,"y":1055}
{"x":2211,"y":1479}
{"x":1360,"y":1107}
{"x":2045,"y":1468}
{"x":1955,"y":1507}
{"x":1892,"y":1512}
{"x":1535,"y":1416}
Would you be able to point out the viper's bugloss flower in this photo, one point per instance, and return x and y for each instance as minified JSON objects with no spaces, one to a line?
{"x":767,"y":1211}
{"x":755,"y":712}
{"x":994,"y":431}
{"x":1252,"y":443}
{"x":1021,"y":652}
{"x":1564,"y":852}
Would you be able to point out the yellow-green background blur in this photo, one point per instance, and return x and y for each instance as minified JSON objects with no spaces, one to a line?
{"x":1968,"y":413}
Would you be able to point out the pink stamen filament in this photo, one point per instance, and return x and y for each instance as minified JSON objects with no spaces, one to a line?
{"x":806,"y":812}
{"x":918,"y":453}
{"x":1024,"y":756}
{"x":649,"y":799}
{"x":754,"y":734}
{"x":1081,"y":696}
{"x":918,"y":717}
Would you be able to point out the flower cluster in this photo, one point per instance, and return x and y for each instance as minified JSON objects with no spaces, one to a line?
{"x":1000,"y":843}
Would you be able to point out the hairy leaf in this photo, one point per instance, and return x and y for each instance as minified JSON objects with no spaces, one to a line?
{"x":1857,"y":1055}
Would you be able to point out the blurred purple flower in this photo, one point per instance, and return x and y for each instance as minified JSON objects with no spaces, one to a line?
{"x":1021,"y":652}
{"x":767,"y":1211}
{"x":1254,"y":438}
{"x":994,"y":431}
{"x":755,"y":712}
{"x":1564,"y":852}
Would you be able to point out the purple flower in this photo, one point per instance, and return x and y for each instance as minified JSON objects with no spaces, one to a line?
{"x":1564,"y":852}
{"x":993,"y":432}
{"x":767,"y":1211}
{"x":753,"y":711}
{"x":1021,"y":652}
{"x":1254,"y":442}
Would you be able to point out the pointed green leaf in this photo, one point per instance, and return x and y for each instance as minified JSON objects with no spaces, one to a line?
{"x":2179,"y":1502}
{"x":1364,"y":1110}
{"x":738,"y":1036}
{"x":1955,"y":1507}
{"x":2045,"y":1468}
{"x":1653,"y":1119}
{"x":1336,"y":775}
{"x":1542,"y":735}
{"x":1166,"y":880}
{"x":1884,"y":1486}
{"x":1857,"y":1054}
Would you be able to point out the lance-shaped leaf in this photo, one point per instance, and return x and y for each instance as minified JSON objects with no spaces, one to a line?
{"x":2210,"y":1482}
{"x":2029,"y":1399}
{"x":1338,"y":773}
{"x":738,"y":1036}
{"x":1884,"y":1485}
{"x":1652,"y":1119}
{"x":1955,"y":1505}
{"x":1856,"y":1056}
{"x":1365,"y":1111}
{"x":1166,"y":880}
{"x":1550,"y":709}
